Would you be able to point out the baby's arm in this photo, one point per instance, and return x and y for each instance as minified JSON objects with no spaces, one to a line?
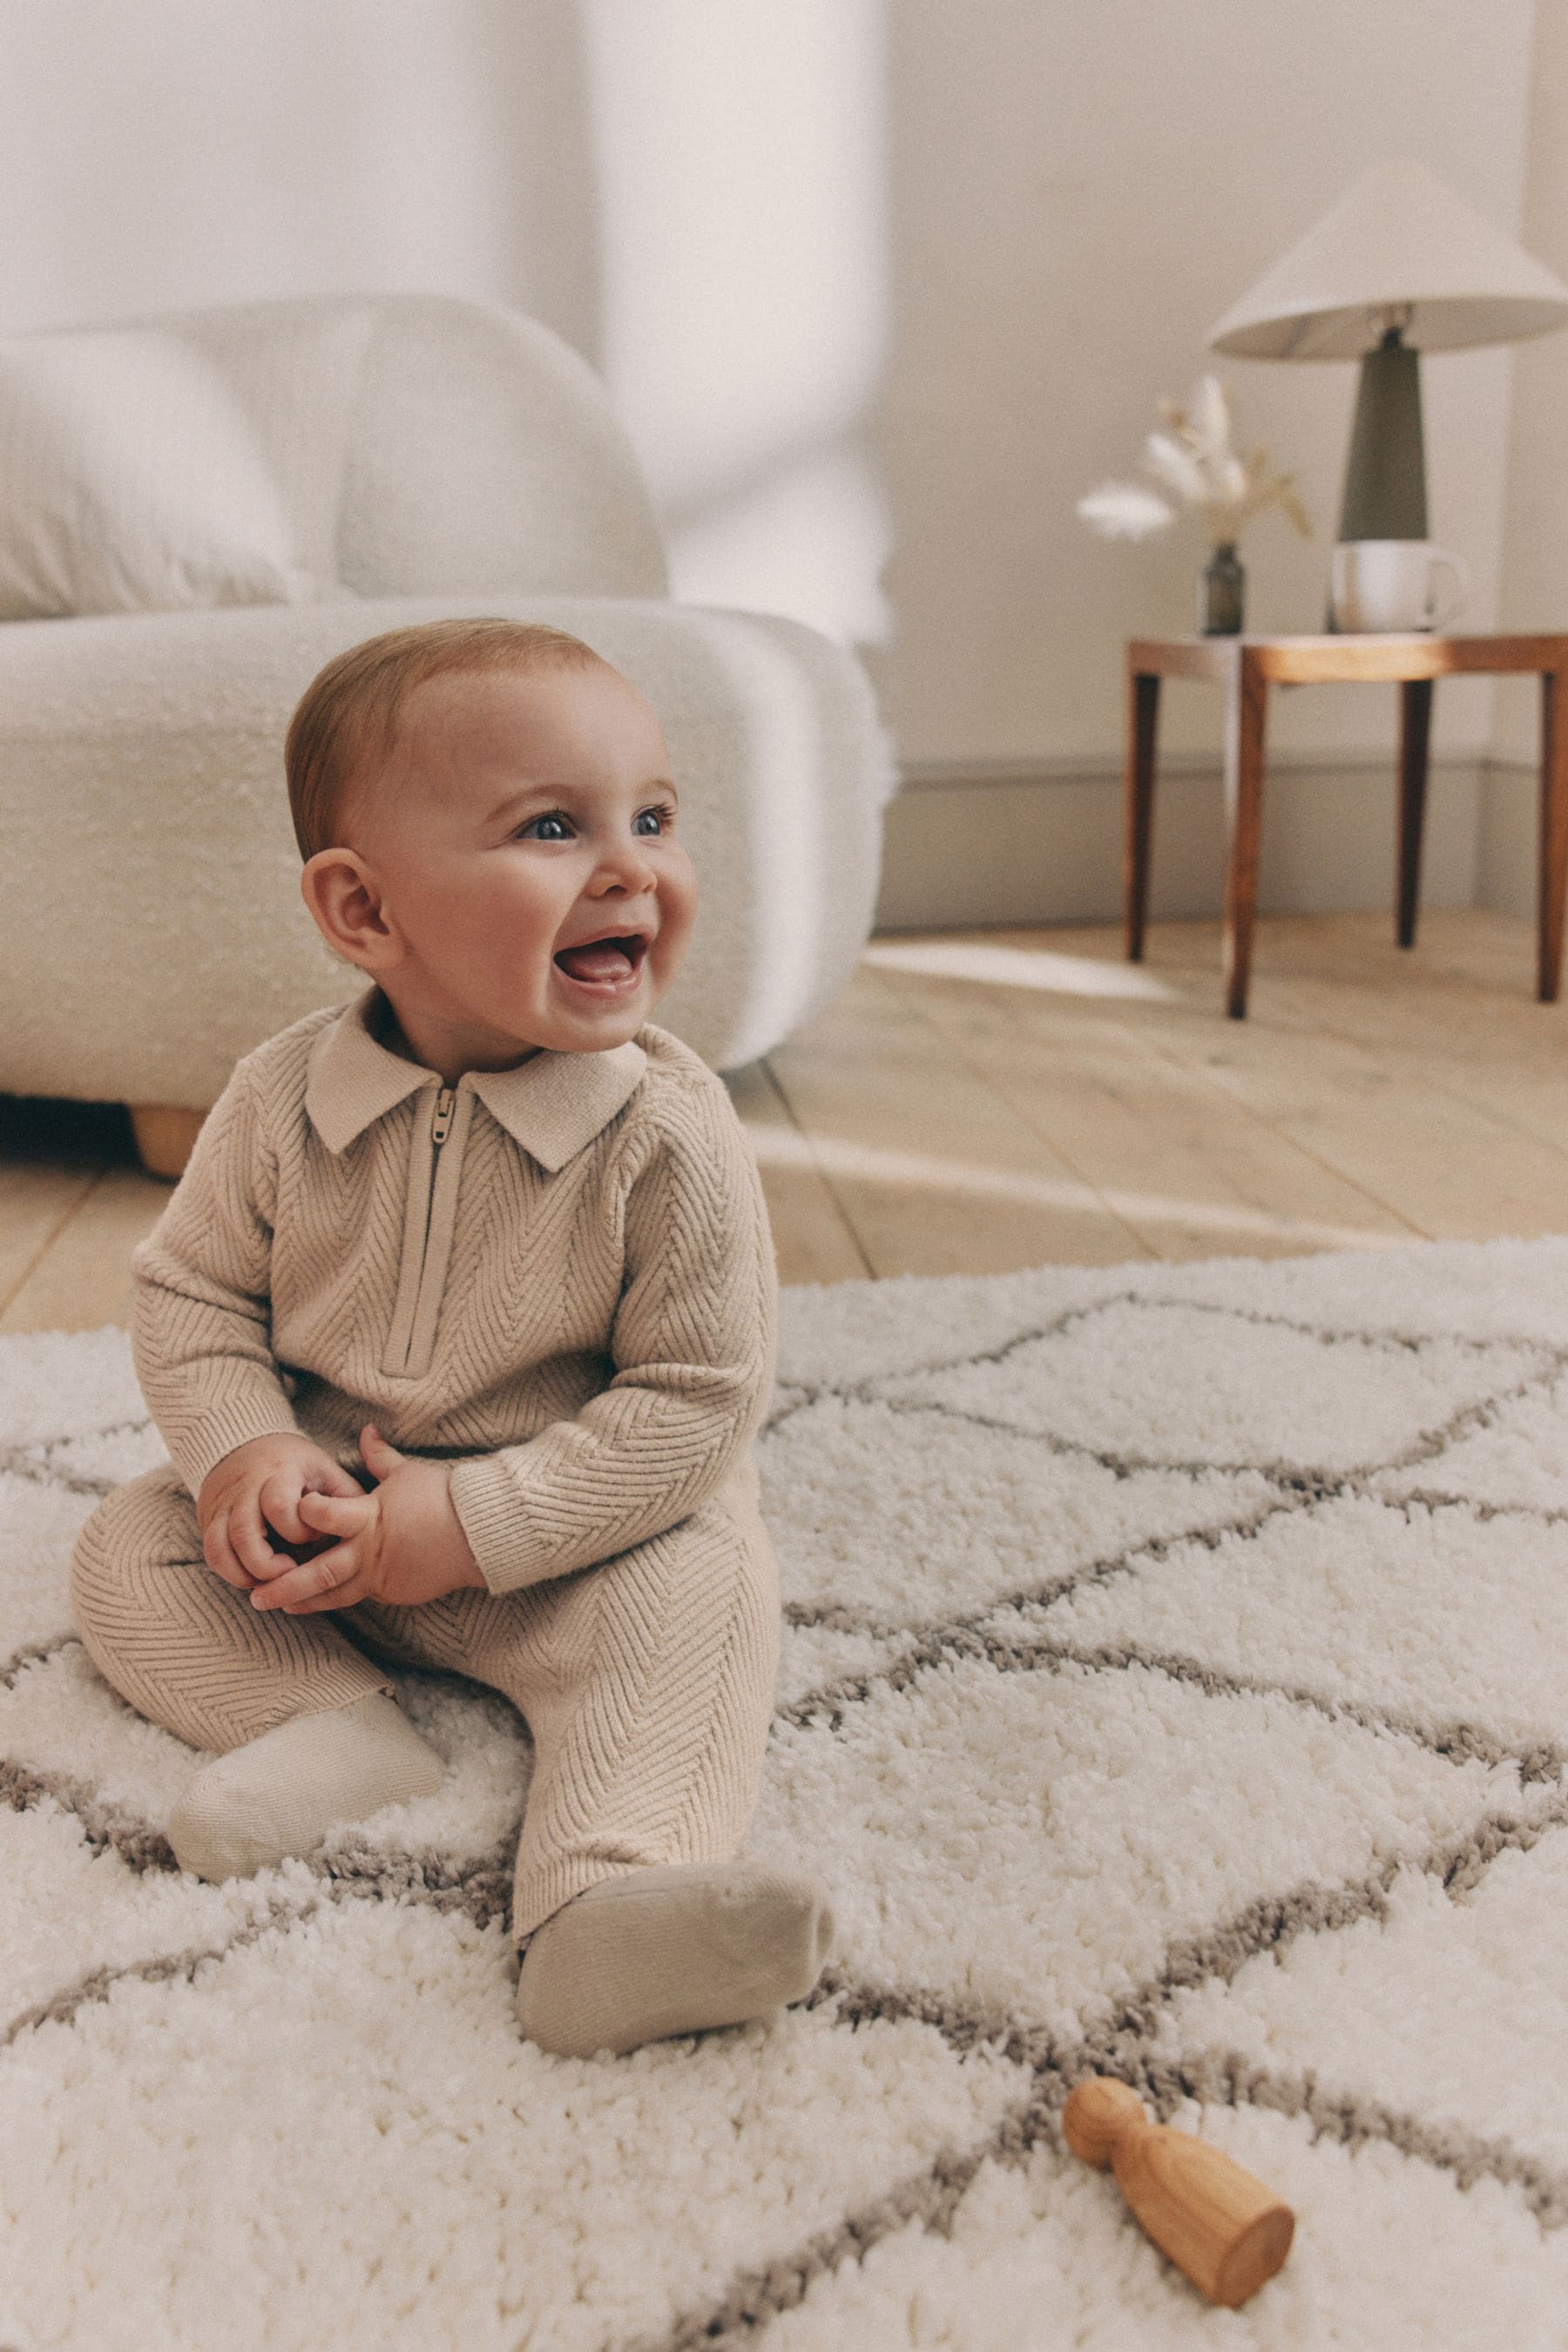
{"x":693,"y":1348}
{"x":201,"y":1333}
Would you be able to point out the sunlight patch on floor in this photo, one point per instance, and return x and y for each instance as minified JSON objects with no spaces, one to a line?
{"x":1000,"y":967}
{"x":778,"y":1147}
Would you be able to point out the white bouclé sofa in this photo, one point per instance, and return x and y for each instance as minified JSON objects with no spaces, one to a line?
{"x":406,"y":458}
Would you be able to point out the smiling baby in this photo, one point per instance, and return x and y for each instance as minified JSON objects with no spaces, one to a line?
{"x":457,"y":1329}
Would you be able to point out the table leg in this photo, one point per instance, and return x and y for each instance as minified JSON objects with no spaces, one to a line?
{"x":1143,"y":717}
{"x":1246,"y":698}
{"x":1415,"y":738}
{"x":1553,"y":882}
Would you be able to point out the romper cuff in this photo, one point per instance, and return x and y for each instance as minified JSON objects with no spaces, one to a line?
{"x":202,"y":1440}
{"x":484,"y":1496}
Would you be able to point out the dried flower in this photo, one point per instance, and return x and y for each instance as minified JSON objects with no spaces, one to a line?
{"x":1125,"y":511}
{"x":1193,"y":462}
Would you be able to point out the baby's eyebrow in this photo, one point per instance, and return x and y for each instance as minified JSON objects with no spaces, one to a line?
{"x":516,"y":800}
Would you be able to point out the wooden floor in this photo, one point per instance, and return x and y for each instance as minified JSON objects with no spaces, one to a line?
{"x":984,"y":1100}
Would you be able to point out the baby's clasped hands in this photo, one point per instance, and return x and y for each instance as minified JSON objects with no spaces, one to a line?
{"x":403,"y":1543}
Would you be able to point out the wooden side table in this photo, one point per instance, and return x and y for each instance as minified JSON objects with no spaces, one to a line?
{"x":1247,"y":667}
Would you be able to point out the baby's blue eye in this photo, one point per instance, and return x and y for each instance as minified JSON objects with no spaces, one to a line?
{"x":647,"y":822}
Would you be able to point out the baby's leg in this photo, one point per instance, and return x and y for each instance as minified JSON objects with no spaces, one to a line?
{"x":647,"y":1682}
{"x":307,"y":1727}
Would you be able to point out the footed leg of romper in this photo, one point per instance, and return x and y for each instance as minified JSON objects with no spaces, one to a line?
{"x":187,"y":1650}
{"x":649,"y":1682}
{"x":646,"y":1682}
{"x":307,"y":1728}
{"x":281,"y":1793}
{"x":673,"y":1951}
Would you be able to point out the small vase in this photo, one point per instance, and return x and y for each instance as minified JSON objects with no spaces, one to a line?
{"x":1220,"y":585}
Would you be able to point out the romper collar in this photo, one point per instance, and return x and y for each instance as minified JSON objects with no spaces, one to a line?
{"x":553,"y":1104}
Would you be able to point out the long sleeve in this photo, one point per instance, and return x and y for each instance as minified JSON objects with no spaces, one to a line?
{"x":692,"y":1343}
{"x":202,"y":1322}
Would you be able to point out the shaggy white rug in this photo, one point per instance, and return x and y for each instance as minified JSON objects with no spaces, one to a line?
{"x":1176,"y":1685}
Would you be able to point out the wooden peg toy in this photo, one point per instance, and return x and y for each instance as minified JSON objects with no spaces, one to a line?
{"x":1215,"y":2221}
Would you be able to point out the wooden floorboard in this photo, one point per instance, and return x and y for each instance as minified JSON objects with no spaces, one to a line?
{"x":935,"y":1169}
{"x":977,"y":1101}
{"x":1190,"y":1167}
{"x":813,"y":1238}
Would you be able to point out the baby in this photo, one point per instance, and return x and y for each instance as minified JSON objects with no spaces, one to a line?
{"x":457,"y":1329}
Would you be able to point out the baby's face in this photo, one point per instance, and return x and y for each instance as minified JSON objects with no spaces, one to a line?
{"x":530,"y":815}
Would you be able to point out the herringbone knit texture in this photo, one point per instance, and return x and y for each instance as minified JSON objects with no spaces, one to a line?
{"x":590,"y":1318}
{"x":647,"y":1682}
{"x":560,"y":1277}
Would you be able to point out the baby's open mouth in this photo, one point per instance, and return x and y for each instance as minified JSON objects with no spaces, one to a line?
{"x":608,"y":963}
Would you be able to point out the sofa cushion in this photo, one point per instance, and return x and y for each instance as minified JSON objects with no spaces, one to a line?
{"x":137,"y":473}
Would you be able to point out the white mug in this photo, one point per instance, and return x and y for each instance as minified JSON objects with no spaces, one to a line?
{"x":1390,"y":584}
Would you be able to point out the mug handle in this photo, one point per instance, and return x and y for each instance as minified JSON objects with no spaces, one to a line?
{"x":1462,"y":571}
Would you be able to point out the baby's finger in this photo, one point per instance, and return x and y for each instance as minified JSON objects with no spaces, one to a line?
{"x":280,"y":1513}
{"x":304,"y":1580}
{"x":220,"y":1554}
{"x":332,"y":1511}
{"x":248,"y":1532}
{"x":344,"y":1597}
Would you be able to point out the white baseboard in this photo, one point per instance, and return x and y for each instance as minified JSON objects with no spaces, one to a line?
{"x":1010,"y":843}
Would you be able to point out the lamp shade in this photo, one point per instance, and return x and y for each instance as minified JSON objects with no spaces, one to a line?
{"x":1396,"y":235}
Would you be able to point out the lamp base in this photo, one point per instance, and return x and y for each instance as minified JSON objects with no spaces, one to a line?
{"x":1386,"y":476}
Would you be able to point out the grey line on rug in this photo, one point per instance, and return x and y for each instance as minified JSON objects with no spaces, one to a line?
{"x":800,"y":1395}
{"x":1456,"y":1742}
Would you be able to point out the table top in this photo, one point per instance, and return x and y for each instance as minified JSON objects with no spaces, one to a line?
{"x":1327,"y":658}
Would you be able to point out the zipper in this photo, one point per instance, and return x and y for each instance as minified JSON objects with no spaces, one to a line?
{"x":440,"y":1127}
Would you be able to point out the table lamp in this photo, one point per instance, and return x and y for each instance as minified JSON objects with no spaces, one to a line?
{"x":1399,"y":266}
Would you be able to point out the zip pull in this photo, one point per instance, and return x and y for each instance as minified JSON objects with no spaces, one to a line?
{"x":441,"y":1126}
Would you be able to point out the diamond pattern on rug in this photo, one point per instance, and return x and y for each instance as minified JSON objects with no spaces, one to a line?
{"x":1172,"y":1688}
{"x":1445,"y":2007}
{"x":1354,"y":1600}
{"x":1102,"y":1815}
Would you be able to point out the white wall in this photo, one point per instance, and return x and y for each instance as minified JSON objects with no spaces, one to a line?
{"x":1536,"y":511}
{"x":155,"y":154}
{"x":880,"y":287}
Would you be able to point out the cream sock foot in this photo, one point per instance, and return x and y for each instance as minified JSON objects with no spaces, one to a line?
{"x":671,"y":1948}
{"x":281,"y":1793}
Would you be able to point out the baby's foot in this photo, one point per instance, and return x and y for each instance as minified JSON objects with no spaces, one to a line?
{"x":281,"y":1793}
{"x":671,"y":1948}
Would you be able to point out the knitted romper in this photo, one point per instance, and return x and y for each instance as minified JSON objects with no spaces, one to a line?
{"x":558,"y":1277}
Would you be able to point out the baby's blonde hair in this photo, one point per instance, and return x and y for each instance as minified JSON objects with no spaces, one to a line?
{"x":347,"y":717}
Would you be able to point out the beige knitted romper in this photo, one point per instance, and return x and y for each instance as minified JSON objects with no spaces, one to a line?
{"x":558,"y":1277}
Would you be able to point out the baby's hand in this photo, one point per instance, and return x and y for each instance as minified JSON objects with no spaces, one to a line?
{"x":403,"y":1543}
{"x":250,"y":1500}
